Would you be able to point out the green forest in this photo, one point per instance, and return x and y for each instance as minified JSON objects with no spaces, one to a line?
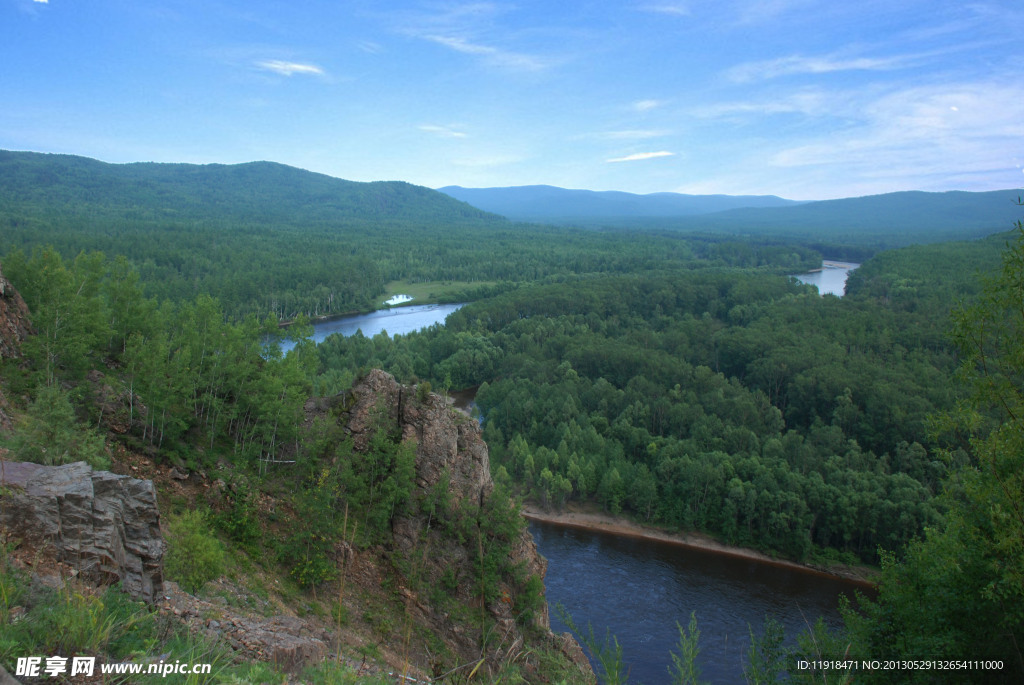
{"x":267,"y":239}
{"x":679,"y":379}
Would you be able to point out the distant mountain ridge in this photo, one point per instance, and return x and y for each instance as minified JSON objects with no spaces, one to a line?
{"x":887,"y":220}
{"x":879,"y":221}
{"x":261,"y":237}
{"x":254,"y":191}
{"x":559,"y":205}
{"x":45,"y":192}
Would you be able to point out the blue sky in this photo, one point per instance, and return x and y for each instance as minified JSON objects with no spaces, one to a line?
{"x":806,"y":99}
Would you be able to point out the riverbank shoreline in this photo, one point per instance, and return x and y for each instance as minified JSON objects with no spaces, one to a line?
{"x":327,"y":318}
{"x":598,"y":521}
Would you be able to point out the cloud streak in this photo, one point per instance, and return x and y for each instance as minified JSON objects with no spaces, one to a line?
{"x":442,"y":131}
{"x":940,"y":136}
{"x":799,"y":64}
{"x":639,"y":156}
{"x":925,"y":127}
{"x":289,"y":68}
{"x":646,"y":105}
{"x":671,"y":9}
{"x":493,"y":55}
{"x":761,"y":11}
{"x":631,"y":134}
{"x":808,"y":102}
{"x":470,"y":29}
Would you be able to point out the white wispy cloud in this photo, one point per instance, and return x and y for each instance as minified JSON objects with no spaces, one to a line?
{"x":947,"y":127}
{"x":956,"y":135}
{"x":461,"y":45}
{"x":443,"y":131}
{"x":646,"y":105}
{"x":44,"y":2}
{"x":370,"y":47}
{"x":759,"y":11}
{"x":809,"y":102}
{"x":799,"y":64}
{"x":495,"y":56}
{"x":641,"y":156}
{"x":631,"y":134}
{"x":289,"y":68}
{"x":874,"y":138}
{"x":677,"y":9}
{"x":477,"y":29}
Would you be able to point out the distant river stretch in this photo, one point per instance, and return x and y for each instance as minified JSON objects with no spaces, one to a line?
{"x":830,"y":278}
{"x":396,"y":321}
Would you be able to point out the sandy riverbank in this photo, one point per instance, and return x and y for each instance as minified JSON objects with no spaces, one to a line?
{"x":596,"y":520}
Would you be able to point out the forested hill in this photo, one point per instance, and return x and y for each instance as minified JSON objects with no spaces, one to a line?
{"x":267,"y":239}
{"x":876,"y":221}
{"x":889,"y":220}
{"x":263,"y":238}
{"x":561,"y":205}
{"x":262,"y":192}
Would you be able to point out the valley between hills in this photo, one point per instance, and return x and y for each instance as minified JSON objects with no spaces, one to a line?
{"x":180,"y":487}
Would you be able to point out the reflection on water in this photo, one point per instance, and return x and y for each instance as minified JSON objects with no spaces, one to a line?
{"x":397,"y":321}
{"x":638,"y":589}
{"x":830,"y":278}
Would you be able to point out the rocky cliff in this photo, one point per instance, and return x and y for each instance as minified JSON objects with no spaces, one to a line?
{"x":14,"y":322}
{"x":104,"y":525}
{"x":416,"y":598}
{"x":449,"y":450}
{"x":14,"y":328}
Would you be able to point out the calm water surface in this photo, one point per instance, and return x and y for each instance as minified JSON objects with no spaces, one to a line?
{"x":831,"y":278}
{"x":396,"y":321}
{"x":639,"y":589}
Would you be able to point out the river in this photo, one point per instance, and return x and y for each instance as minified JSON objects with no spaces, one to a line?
{"x":638,"y":589}
{"x":396,"y":321}
{"x":830,"y":278}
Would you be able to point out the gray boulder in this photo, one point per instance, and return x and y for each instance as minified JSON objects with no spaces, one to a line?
{"x":105,"y":525}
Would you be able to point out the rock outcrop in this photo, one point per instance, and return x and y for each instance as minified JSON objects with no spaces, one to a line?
{"x":14,"y":320}
{"x":444,"y":441}
{"x":288,"y":642}
{"x":449,"y":448}
{"x":14,"y":328}
{"x":105,"y":525}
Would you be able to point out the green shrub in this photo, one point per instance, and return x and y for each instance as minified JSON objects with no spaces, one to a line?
{"x":240,"y":521}
{"x":530,"y":599}
{"x":194,"y":556}
{"x":73,"y":620}
{"x":49,"y":434}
